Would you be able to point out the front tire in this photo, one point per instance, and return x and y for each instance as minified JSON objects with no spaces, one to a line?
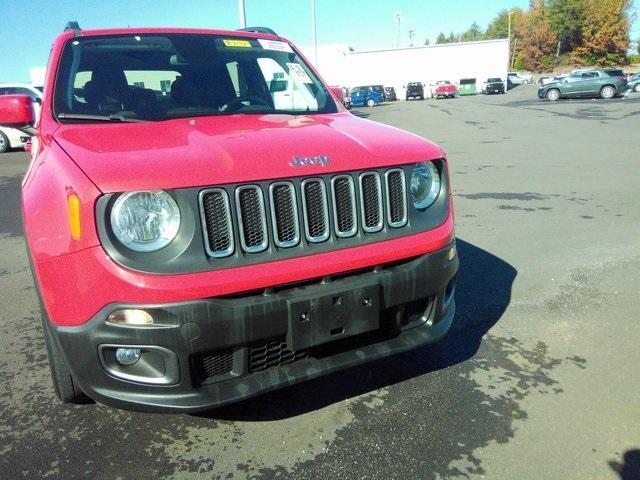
{"x":64,"y":384}
{"x":4,"y":143}
{"x":553,"y":95}
{"x":607,"y":92}
{"x":371,"y":103}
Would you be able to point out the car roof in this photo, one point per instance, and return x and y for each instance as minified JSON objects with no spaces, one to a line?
{"x":165,"y":30}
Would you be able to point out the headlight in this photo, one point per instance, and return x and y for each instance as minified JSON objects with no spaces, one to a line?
{"x":145,"y":221}
{"x":425,"y":185}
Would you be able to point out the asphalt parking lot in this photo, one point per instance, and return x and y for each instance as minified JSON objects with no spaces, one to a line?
{"x":540,"y":378}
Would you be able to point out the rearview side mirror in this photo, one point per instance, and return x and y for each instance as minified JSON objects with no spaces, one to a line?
{"x":337,"y":91}
{"x":16,"y":111}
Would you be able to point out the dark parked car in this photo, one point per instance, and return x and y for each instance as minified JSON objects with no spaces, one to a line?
{"x":390,"y":94}
{"x":494,"y":85}
{"x":415,"y":90}
{"x":593,"y":83}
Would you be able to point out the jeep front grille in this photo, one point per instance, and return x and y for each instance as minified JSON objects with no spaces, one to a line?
{"x":344,"y":206}
{"x":315,"y":210}
{"x":272,"y":353}
{"x":283,"y":214}
{"x":371,"y":194}
{"x":252,"y":218}
{"x":396,"y":198}
{"x":216,"y":222}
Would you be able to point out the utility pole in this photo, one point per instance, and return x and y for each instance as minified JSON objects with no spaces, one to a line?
{"x":314,"y":35}
{"x":243,"y":16}
{"x":397,"y":15}
{"x":509,"y":41}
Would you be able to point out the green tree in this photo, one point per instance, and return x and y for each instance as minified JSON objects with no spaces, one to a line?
{"x":427,"y":42}
{"x":473,"y":33}
{"x":452,"y":38}
{"x":441,"y":38}
{"x":566,"y":18}
{"x":605,"y":33}
{"x":499,"y":26}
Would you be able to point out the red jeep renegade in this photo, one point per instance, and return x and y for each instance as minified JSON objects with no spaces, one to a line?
{"x":207,"y":222}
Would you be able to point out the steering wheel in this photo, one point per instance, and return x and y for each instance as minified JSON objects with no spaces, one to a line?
{"x":236,"y":103}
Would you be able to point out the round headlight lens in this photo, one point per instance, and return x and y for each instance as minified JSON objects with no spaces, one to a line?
{"x":145,"y":221}
{"x":425,"y":185}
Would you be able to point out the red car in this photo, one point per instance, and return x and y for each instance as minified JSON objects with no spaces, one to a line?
{"x":445,"y":89}
{"x":343,"y":94}
{"x":206,"y":221}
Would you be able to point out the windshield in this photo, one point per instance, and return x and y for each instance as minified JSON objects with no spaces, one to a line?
{"x":493,"y":80}
{"x":158,"y":76}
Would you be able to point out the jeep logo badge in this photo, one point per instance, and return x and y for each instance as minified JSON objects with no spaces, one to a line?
{"x":322,"y":160}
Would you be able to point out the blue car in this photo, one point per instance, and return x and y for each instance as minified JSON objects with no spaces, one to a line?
{"x":361,"y":96}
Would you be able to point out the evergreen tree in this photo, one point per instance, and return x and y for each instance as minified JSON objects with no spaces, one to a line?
{"x":566,"y":18}
{"x":473,"y":33}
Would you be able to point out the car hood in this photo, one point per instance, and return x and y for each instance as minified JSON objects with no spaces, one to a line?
{"x":190,"y":152}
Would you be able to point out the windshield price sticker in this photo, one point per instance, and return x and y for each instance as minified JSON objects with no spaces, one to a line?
{"x":275,"y":45}
{"x":237,"y":43}
{"x":295,"y":69}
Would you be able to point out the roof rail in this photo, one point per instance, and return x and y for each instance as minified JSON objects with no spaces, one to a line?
{"x":73,"y":26}
{"x":258,"y":30}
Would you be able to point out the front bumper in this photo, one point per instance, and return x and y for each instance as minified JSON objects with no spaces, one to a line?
{"x":216,"y":351}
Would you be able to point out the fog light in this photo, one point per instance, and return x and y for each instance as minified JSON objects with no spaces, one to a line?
{"x":130,"y":317}
{"x":452,"y":253}
{"x":128,"y":356}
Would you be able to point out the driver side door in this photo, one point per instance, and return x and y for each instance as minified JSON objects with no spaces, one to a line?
{"x":572,"y":85}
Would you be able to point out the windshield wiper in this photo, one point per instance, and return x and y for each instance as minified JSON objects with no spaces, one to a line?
{"x":100,"y":118}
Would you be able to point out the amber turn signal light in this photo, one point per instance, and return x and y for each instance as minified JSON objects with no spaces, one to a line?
{"x":73,"y":202}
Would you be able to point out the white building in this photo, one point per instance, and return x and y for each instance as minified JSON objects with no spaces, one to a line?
{"x":340,"y":64}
